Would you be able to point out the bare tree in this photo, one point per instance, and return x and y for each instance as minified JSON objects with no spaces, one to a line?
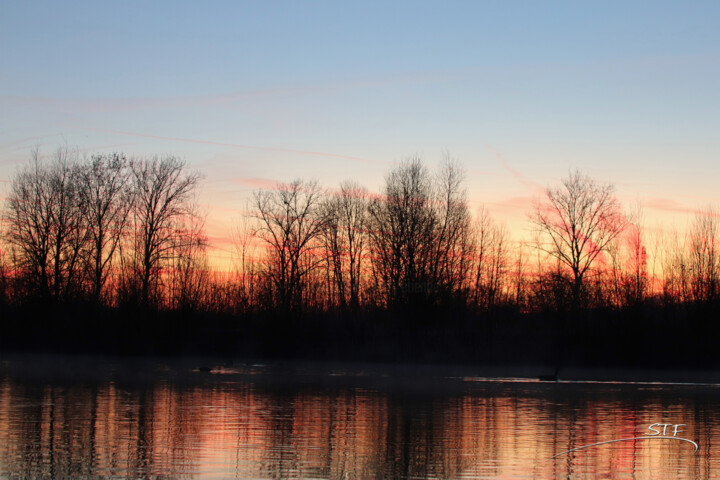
{"x":345,"y":220}
{"x":519,"y":280}
{"x":704,"y":256}
{"x":636,"y":277}
{"x":451,"y":262}
{"x":655,"y":261}
{"x":105,"y":203}
{"x":491,"y":261}
{"x":575,"y":223}
{"x":289,"y":222}
{"x":190,"y":275}
{"x":675,"y":269}
{"x":402,"y":234}
{"x":4,"y":274}
{"x":615,"y":282}
{"x":163,"y":203}
{"x":625,"y":281}
{"x":44,"y":225}
{"x":420,"y":235}
{"x":244,"y":255}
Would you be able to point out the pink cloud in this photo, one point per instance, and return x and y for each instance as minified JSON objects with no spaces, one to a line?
{"x":217,"y":240}
{"x":667,"y":205}
{"x":523,"y":179}
{"x":527,"y":182}
{"x":256,"y":183}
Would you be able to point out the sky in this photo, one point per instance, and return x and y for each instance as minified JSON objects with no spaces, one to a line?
{"x":251,"y":93}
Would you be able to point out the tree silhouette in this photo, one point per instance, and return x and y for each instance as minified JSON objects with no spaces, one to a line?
{"x":704,"y":261}
{"x":402,"y":228}
{"x":575,"y":223}
{"x":491,"y":261}
{"x":344,"y":238}
{"x":452,"y":237}
{"x":105,"y":203}
{"x":289,"y":222}
{"x":163,"y":209}
{"x":45,"y":225}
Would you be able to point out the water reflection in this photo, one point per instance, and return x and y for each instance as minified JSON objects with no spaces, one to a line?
{"x":219,"y":426}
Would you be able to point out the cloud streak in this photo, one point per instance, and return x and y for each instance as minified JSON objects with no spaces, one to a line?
{"x":521,"y":178}
{"x":104,"y":105}
{"x":515,"y":204}
{"x":668,"y":205}
{"x":242,"y":146}
{"x":257,"y":183}
{"x":100,"y":105}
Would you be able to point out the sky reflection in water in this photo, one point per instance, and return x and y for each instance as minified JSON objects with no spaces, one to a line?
{"x":172,"y":421}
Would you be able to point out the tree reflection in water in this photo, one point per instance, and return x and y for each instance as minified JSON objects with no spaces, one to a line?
{"x":259,"y":426}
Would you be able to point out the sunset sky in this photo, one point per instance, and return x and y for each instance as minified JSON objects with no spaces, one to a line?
{"x":250,"y":93}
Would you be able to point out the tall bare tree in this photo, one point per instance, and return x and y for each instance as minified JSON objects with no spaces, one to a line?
{"x":244,"y":256}
{"x":519,"y":277}
{"x":163,"y":205}
{"x":704,"y":255}
{"x":491,"y":261}
{"x":44,"y":224}
{"x":5,"y":294}
{"x":451,"y":260}
{"x":402,"y":232}
{"x":676,"y":284}
{"x":636,"y":277}
{"x":105,"y":203}
{"x":345,"y":222}
{"x":289,"y":221}
{"x":575,"y":223}
{"x":190,"y":275}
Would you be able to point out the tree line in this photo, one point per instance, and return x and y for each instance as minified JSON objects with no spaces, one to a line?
{"x":102,"y":229}
{"x":113,"y":230}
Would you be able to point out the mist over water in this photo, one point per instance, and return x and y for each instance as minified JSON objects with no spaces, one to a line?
{"x":141,"y":419}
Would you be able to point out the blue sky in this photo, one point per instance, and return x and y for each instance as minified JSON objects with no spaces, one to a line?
{"x":250,"y":92}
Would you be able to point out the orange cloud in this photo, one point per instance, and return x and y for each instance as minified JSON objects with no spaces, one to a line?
{"x":515,"y":203}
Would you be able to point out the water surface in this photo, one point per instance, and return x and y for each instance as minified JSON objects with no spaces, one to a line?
{"x":86,"y":417}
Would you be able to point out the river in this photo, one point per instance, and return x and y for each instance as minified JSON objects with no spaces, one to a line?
{"x":88,"y":417}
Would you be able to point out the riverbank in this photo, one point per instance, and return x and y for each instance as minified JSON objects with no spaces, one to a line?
{"x":639,"y":346}
{"x":73,"y":368}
